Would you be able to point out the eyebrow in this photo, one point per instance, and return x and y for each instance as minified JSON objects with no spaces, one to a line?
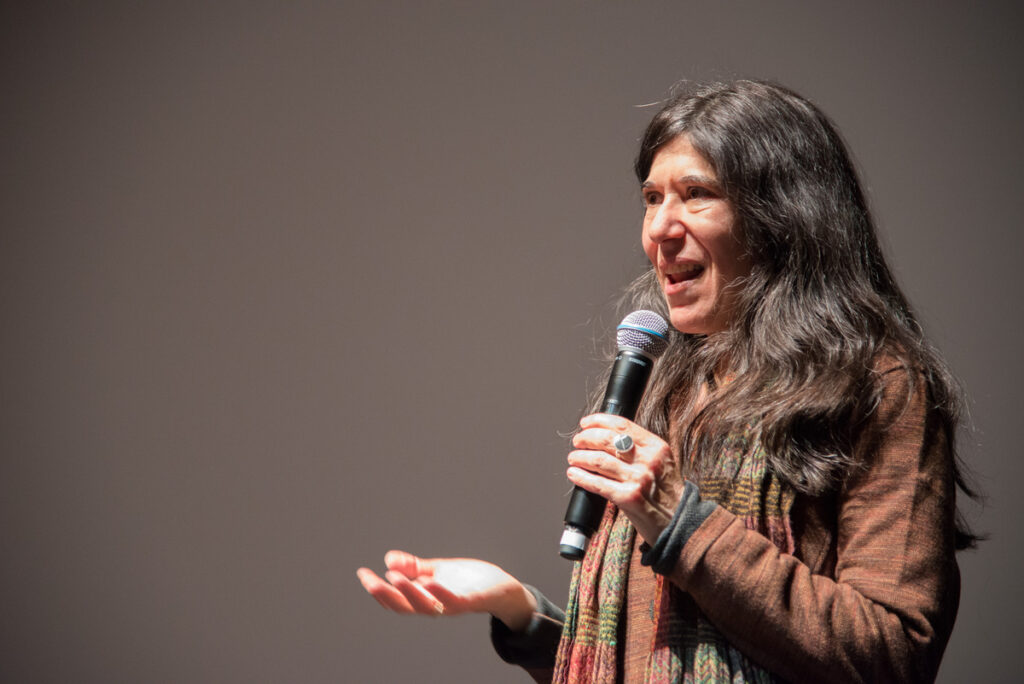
{"x":686,"y":180}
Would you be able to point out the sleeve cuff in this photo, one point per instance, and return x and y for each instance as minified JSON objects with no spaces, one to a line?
{"x":535,"y":646}
{"x":690,"y":514}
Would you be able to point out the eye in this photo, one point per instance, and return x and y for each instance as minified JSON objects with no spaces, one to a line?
{"x":652,"y":198}
{"x":699,"y":192}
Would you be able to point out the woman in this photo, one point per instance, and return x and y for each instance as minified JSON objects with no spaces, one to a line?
{"x":787,"y":509}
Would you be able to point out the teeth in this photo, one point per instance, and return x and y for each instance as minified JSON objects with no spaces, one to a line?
{"x":682,"y":268}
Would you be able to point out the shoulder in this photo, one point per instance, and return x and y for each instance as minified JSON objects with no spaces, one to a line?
{"x":906,"y":427}
{"x":899,"y":391}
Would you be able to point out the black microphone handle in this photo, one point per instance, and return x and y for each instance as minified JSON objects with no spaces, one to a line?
{"x":622,"y":397}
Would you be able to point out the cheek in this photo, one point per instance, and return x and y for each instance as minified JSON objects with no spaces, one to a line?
{"x":649,"y":247}
{"x":729,"y":253}
{"x":735,"y":263}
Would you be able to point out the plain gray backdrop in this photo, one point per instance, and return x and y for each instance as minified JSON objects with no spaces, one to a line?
{"x":286,"y":285}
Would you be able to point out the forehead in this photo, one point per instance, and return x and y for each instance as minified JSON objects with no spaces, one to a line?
{"x":679,"y":157}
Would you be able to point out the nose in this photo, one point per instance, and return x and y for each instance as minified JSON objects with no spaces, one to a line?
{"x":668,"y":221}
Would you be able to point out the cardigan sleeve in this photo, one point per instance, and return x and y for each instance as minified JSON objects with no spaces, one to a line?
{"x":886,"y":612}
{"x":535,"y":647}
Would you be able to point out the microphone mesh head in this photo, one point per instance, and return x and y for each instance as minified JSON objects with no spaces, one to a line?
{"x":644,"y":331}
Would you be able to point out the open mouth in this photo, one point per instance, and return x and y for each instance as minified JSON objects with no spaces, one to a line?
{"x":679,"y":274}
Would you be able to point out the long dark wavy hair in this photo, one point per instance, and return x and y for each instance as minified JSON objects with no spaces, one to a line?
{"x":818,"y":314}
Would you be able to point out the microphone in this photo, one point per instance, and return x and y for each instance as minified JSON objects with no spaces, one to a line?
{"x":642,"y":337}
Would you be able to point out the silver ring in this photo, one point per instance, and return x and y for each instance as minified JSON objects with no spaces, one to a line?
{"x":622,"y":443}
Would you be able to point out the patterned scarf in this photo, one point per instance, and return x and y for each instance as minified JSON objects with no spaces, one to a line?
{"x":686,"y":647}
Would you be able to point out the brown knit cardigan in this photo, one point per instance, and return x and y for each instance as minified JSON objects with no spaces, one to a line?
{"x":871,"y":590}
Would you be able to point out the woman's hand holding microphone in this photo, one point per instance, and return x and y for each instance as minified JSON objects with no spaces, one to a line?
{"x":640,"y":477}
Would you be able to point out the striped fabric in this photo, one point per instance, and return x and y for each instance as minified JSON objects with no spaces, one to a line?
{"x":686,"y":646}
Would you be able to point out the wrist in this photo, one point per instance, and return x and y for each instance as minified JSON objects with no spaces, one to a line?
{"x":515,"y":607}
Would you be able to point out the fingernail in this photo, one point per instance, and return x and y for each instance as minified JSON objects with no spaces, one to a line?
{"x":439,"y":608}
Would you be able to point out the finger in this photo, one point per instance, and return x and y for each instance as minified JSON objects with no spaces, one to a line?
{"x":647,"y":447}
{"x":409,"y":565}
{"x":628,"y":494}
{"x":601,"y":439}
{"x":385,"y":594}
{"x":452,"y":602}
{"x":592,"y":482}
{"x":599,"y":462}
{"x":607,"y":420}
{"x":613,"y":426}
{"x":419,"y":598}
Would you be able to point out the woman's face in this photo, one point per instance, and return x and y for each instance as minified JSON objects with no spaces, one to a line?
{"x":690,"y":239}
